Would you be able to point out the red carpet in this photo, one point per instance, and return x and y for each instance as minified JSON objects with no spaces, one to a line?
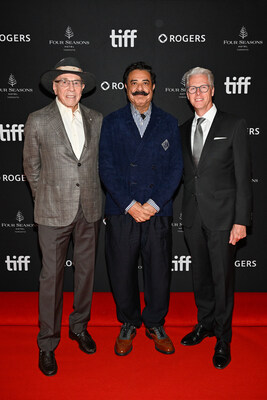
{"x":144,"y":373}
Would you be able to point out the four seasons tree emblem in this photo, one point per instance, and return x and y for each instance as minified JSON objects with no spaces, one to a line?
{"x":69,"y":33}
{"x":12,"y":80}
{"x":243,"y":33}
{"x":19,"y":216}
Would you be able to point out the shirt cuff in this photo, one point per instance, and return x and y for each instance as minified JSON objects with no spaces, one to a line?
{"x":129,"y":206}
{"x":153,"y":204}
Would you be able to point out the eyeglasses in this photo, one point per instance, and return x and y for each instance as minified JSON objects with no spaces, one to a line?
{"x":202,"y":89}
{"x":64,"y":83}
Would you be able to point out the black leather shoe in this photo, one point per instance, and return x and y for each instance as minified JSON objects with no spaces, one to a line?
{"x":196,"y":336}
{"x":85,"y":341}
{"x":222,"y":355}
{"x":47,"y":362}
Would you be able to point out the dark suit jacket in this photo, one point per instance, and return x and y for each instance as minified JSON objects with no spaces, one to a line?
{"x":58,"y":180}
{"x":138,"y":168}
{"x":221,"y":184}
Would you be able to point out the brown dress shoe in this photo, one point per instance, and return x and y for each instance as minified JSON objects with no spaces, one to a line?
{"x":162,"y":341}
{"x":123,"y":344}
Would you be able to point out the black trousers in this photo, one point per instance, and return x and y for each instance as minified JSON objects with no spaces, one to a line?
{"x":125,"y":241}
{"x":54,"y":243}
{"x":213,"y":276}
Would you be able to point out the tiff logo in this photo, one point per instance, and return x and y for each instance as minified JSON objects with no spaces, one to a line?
{"x":237,"y":86}
{"x":181,"y":264}
{"x":122,"y":39}
{"x":11,"y":133}
{"x":18,"y":264}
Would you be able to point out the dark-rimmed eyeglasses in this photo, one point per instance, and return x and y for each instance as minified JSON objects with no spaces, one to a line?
{"x":202,"y":89}
{"x":64,"y":83}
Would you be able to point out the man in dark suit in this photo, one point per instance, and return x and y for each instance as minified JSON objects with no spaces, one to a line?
{"x":140,"y":165}
{"x":61,"y":165}
{"x":216,"y":208}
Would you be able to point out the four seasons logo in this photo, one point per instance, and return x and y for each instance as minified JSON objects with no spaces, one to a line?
{"x":181,"y":90}
{"x":69,"y":44}
{"x":242,"y":44}
{"x":19,"y":226}
{"x":12,"y":91}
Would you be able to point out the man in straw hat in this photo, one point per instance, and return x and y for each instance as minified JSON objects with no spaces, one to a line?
{"x":60,"y":162}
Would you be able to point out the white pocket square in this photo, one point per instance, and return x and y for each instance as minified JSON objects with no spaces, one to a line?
{"x":220,"y":138}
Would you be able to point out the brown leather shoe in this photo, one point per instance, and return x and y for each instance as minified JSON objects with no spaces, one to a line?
{"x":162,"y":341}
{"x":123,"y":344}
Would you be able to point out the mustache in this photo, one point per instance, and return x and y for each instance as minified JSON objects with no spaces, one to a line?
{"x":140,"y":93}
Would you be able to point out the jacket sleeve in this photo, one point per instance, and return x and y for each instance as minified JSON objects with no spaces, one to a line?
{"x":31,"y":154}
{"x":171,"y":178}
{"x":242,"y":165}
{"x":110,"y":175}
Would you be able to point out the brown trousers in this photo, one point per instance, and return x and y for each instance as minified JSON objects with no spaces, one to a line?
{"x":54,"y":243}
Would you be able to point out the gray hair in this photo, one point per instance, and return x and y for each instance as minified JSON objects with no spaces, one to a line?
{"x":199,"y":71}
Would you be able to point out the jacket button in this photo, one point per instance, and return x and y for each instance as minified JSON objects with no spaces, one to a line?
{"x":79,"y":164}
{"x":77,"y":184}
{"x":133,"y":165}
{"x":151,"y":185}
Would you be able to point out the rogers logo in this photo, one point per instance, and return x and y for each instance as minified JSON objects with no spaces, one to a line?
{"x":112,"y":85}
{"x":245,"y":263}
{"x":163,"y":38}
{"x":13,"y":178}
{"x":15,"y":37}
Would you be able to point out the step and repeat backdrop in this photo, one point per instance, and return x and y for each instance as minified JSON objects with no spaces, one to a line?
{"x":106,"y":36}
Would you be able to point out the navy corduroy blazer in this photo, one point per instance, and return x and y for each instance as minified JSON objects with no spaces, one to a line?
{"x":135,"y":168}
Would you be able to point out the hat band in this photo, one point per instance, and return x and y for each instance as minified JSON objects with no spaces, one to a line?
{"x":69,"y":68}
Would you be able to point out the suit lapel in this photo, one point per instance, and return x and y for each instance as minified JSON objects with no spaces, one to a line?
{"x":58,"y":126}
{"x":87,"y":126}
{"x":187,"y":140}
{"x":209,"y":140}
{"x":151,"y":127}
{"x":131,"y":134}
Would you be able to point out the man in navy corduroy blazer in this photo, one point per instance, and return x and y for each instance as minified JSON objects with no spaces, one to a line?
{"x":140,"y":166}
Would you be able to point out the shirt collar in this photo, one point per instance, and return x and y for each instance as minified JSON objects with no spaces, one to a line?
{"x":209,"y":114}
{"x":136,"y":112}
{"x":67,"y":110}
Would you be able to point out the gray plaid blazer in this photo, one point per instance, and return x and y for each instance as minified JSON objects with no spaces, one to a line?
{"x":58,"y":180}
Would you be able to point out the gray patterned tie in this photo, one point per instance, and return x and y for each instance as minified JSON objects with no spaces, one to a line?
{"x":198,"y":141}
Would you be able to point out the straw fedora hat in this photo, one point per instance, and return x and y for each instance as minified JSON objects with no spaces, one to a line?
{"x":69,"y":65}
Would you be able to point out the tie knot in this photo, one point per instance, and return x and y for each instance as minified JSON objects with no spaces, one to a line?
{"x":143,"y":116}
{"x":200,"y":120}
